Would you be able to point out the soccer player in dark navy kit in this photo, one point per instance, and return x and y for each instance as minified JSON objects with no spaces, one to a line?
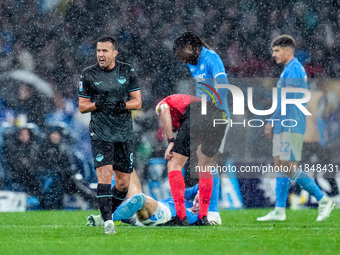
{"x":109,"y":90}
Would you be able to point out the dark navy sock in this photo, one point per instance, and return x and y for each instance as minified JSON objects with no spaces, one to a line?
{"x":104,"y":196}
{"x":117,"y":198}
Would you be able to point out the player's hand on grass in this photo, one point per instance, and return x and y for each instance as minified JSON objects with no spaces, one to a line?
{"x":268,"y":130}
{"x":168,"y":153}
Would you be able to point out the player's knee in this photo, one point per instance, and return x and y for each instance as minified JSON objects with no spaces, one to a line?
{"x":177,"y":162}
{"x":122,"y":186}
{"x":173,"y":165}
{"x":104,"y":175}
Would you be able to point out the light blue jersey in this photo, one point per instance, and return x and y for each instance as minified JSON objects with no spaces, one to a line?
{"x":294,"y":75}
{"x":210,"y":70}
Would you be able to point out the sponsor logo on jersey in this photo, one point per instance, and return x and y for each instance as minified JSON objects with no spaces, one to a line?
{"x":97,"y":83}
{"x":200,"y":76}
{"x":121,"y":79}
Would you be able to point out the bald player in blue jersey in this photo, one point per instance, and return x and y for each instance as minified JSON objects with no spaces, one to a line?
{"x":288,"y":138}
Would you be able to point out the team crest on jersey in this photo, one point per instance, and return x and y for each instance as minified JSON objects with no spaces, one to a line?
{"x":121,"y":79}
{"x":99,"y":157}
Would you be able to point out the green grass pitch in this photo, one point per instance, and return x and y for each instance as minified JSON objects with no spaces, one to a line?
{"x":64,"y":232}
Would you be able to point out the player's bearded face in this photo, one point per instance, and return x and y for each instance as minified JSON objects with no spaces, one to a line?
{"x":106,"y":55}
{"x":187,"y":55}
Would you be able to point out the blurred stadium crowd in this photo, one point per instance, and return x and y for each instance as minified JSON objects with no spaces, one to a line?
{"x":56,"y":41}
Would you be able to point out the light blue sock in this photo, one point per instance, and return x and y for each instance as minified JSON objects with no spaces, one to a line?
{"x":129,"y":207}
{"x":308,"y":184}
{"x":215,"y":194}
{"x":282,"y":189}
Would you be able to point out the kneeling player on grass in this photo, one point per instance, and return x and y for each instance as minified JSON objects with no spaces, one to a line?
{"x":182,"y":113}
{"x":142,"y":210}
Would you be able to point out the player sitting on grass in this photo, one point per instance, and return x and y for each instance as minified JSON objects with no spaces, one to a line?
{"x":142,"y":210}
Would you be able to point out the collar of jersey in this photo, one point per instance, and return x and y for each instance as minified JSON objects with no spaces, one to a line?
{"x":290,"y":62}
{"x":108,"y":71}
{"x":203,"y":51}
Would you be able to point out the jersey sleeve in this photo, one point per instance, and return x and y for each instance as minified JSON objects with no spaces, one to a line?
{"x":133,"y":82}
{"x":216,"y":67}
{"x":217,"y":70}
{"x":84,"y":88}
{"x":158,"y":106}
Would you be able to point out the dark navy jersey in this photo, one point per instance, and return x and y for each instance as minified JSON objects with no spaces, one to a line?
{"x":118,"y":82}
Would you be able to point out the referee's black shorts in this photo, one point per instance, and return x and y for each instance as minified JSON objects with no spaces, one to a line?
{"x":118,"y":154}
{"x":197,"y":128}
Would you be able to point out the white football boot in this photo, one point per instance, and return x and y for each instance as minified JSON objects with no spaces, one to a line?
{"x":276,"y":215}
{"x":109,"y":227}
{"x":326,"y":205}
{"x":95,"y":221}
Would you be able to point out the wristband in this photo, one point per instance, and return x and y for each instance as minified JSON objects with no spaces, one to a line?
{"x":171,"y":140}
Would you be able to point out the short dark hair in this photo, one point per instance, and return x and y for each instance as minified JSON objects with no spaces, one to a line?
{"x":110,"y":39}
{"x":284,"y":41}
{"x":188,"y":38}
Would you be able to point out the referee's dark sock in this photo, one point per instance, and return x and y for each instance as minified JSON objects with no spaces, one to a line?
{"x":117,"y":198}
{"x":104,"y":196}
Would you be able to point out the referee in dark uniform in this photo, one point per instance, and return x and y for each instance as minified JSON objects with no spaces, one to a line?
{"x":109,"y":90}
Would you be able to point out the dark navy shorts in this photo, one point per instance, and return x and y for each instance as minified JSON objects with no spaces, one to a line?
{"x":118,"y":154}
